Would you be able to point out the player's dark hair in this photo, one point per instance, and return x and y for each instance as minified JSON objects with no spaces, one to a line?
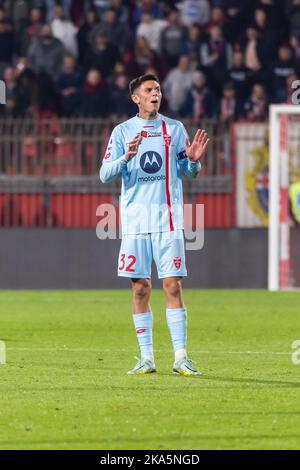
{"x":136,"y":82}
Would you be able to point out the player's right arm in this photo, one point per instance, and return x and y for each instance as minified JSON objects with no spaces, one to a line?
{"x":116,"y":156}
{"x":114,"y":161}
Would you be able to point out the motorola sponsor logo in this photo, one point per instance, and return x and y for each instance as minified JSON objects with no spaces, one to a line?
{"x":147,"y":179}
{"x":151,"y":162}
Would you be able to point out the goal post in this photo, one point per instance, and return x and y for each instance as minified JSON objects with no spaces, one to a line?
{"x":279,"y":257}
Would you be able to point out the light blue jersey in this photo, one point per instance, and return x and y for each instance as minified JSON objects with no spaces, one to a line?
{"x":151,"y":196}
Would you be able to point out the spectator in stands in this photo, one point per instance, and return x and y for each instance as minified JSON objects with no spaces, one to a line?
{"x":230,"y":7}
{"x":46,"y":53}
{"x":69,"y":84}
{"x":237,"y":14}
{"x":200,"y":102}
{"x":118,"y":33}
{"x":49,"y":7}
{"x":103,"y":55}
{"x":121,"y":10}
{"x":64,"y":30}
{"x":240,"y":76}
{"x":49,"y":102}
{"x":119,"y":69}
{"x":191,"y":45}
{"x":151,"y":71}
{"x":9,"y":78}
{"x":84,"y":35}
{"x":204,"y":30}
{"x":146,"y":6}
{"x":217,"y":18}
{"x":260,"y":20}
{"x":144,"y":57}
{"x":281,"y":69}
{"x":95,"y":98}
{"x":7,"y":40}
{"x":252,"y":61}
{"x":27,"y":88}
{"x":122,"y":104}
{"x":293,"y":15}
{"x":256,"y":106}
{"x":295,"y":45}
{"x":274,"y":10}
{"x":18,"y":10}
{"x":100,"y":6}
{"x":151,"y":29}
{"x":268,"y":41}
{"x":178,"y":83}
{"x":231,"y":108}
{"x":194,"y":11}
{"x":172,"y":38}
{"x":78,"y":11}
{"x":30,"y":28}
{"x":216,"y":57}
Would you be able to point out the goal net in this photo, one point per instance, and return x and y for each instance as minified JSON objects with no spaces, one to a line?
{"x":284,"y":198}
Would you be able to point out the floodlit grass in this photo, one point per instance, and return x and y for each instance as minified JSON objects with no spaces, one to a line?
{"x":65,"y":385}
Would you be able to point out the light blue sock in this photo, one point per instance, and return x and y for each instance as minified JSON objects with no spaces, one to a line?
{"x":177,"y":323}
{"x":143,"y":326}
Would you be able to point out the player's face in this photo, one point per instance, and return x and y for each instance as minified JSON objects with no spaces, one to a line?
{"x":148,"y":97}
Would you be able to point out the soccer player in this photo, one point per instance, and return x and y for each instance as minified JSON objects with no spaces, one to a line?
{"x":149,"y":152}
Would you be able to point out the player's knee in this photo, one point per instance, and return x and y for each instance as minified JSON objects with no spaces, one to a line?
{"x":172,"y":287}
{"x":141,"y":289}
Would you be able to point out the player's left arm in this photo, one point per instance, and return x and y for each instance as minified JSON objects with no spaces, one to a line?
{"x":189,"y":155}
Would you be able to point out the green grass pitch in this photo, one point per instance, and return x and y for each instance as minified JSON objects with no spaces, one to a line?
{"x":65,"y":385}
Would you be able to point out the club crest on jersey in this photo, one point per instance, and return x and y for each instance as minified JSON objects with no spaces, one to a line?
{"x":177,"y":262}
{"x":107,"y":155}
{"x":167,"y":139}
{"x":151,"y":162}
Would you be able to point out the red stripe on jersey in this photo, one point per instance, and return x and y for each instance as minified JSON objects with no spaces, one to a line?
{"x":167,"y":140}
{"x":148,"y":127}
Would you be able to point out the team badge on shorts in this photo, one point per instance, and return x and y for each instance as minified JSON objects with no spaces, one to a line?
{"x":177,"y":262}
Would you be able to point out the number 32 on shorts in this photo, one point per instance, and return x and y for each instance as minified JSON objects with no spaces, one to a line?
{"x":129,"y":263}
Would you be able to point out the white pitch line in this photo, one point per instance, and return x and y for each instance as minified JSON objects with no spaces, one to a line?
{"x":99,"y":350}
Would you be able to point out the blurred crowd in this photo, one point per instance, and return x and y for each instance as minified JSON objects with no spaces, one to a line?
{"x":225,"y":59}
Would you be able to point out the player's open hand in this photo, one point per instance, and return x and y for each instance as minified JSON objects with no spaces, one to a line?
{"x":133,"y":147}
{"x":197,"y":148}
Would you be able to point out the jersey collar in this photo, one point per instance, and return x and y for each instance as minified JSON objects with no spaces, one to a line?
{"x":149,"y":122}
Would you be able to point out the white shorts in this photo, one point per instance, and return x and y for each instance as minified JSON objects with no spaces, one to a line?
{"x":138,"y":251}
